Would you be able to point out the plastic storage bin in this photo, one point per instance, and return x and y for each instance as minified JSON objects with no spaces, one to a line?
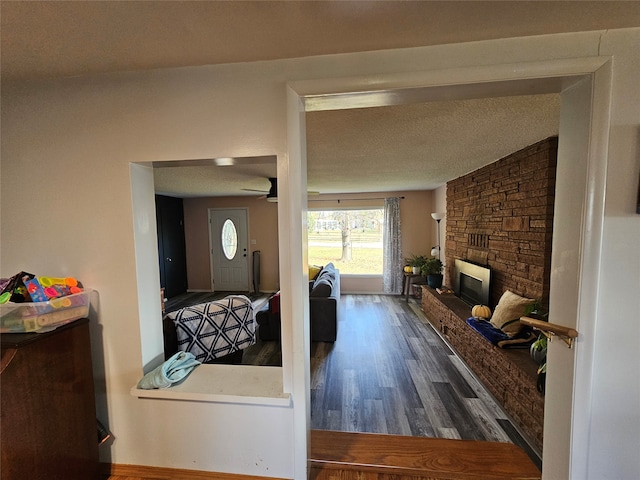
{"x":44,"y":316}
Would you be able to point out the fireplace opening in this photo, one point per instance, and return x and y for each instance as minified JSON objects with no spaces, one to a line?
{"x":472,"y":282}
{"x":470,"y":289}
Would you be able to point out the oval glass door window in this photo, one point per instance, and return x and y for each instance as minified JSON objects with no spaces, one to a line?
{"x":229,"y":239}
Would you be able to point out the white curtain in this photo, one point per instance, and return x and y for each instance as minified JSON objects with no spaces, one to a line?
{"x":392,"y":247}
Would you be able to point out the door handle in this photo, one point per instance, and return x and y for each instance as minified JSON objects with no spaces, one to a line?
{"x":168,"y":259}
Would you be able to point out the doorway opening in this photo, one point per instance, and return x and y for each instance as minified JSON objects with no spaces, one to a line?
{"x":581,"y":122}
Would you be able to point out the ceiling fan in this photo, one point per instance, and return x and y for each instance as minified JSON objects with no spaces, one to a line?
{"x":272,"y":194}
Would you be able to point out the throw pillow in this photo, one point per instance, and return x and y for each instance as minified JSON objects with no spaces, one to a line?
{"x":274,"y":304}
{"x":329,"y":267}
{"x":322,"y":287}
{"x":314,"y":270}
{"x":507,"y":313}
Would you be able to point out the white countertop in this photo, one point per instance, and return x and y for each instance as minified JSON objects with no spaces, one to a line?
{"x":246,"y":384}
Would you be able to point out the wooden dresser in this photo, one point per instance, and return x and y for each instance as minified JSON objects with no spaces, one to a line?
{"x":47,"y":413}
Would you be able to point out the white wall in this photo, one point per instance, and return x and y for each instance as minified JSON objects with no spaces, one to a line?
{"x":67,"y":147}
{"x":614,"y":423}
{"x":67,"y":210}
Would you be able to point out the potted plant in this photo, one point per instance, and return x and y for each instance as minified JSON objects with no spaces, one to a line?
{"x":432,"y":269}
{"x":416,"y":262}
{"x":538,"y":349}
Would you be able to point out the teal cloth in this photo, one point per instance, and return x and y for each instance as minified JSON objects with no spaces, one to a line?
{"x":171,"y":371}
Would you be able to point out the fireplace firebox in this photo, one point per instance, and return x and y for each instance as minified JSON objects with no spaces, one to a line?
{"x":472,"y":283}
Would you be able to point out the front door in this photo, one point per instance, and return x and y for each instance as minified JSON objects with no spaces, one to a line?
{"x":228,"y":237}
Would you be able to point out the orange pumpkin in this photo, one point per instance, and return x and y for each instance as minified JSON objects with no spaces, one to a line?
{"x":481,"y":311}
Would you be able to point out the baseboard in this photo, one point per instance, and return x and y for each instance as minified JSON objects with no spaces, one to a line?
{"x":162,"y":473}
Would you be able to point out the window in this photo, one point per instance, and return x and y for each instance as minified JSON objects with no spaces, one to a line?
{"x":350,"y":239}
{"x":229,"y":239}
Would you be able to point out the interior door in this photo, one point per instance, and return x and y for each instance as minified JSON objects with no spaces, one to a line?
{"x":228,"y":237}
{"x":171,"y":245}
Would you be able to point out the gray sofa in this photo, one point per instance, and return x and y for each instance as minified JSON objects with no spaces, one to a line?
{"x":324,"y":298}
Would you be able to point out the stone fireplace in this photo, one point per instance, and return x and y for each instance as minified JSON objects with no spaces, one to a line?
{"x":501,"y":216}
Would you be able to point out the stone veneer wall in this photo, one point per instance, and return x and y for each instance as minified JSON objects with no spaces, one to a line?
{"x":501,"y":215}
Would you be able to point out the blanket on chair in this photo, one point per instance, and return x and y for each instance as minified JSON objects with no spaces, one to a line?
{"x":215,"y":329}
{"x":497,"y":337}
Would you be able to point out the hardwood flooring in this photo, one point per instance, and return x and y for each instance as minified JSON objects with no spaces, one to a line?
{"x":373,"y":456}
{"x":390,"y":372}
{"x":263,"y":353}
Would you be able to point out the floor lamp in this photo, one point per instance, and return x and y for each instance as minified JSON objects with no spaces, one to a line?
{"x":436,"y":250}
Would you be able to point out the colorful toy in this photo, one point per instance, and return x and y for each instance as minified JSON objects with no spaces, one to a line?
{"x":16,"y":288}
{"x":25,"y":287}
{"x":59,"y":287}
{"x":35,"y":290}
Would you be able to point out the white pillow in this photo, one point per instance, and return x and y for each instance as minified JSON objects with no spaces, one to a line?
{"x":507,"y":314}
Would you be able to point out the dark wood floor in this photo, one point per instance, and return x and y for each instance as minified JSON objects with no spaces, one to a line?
{"x":390,"y":372}
{"x":263,"y":353}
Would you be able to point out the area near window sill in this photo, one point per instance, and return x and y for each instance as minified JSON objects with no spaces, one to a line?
{"x":244,"y":384}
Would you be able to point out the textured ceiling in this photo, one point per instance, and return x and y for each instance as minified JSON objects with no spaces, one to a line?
{"x":421,"y":146}
{"x":414,"y":146}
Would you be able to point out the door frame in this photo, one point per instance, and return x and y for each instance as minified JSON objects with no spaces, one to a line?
{"x":582,"y":243}
{"x":211,"y":243}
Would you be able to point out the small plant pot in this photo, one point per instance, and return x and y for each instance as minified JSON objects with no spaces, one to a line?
{"x":416,"y":270}
{"x":434,"y":281}
{"x":538,"y":356}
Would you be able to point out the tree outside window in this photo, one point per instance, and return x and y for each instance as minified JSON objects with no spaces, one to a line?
{"x":350,"y":239}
